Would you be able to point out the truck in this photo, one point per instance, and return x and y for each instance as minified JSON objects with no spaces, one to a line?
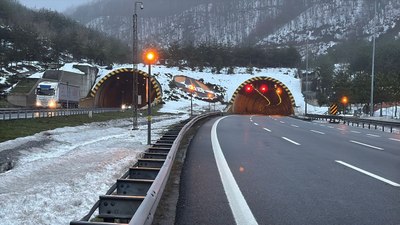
{"x":53,"y":94}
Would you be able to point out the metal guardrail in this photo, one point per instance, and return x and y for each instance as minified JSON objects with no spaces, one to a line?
{"x":40,"y":113}
{"x":153,"y":168}
{"x":354,"y":121}
{"x":146,"y":211}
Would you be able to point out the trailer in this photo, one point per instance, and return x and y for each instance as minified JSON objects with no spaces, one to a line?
{"x":51,"y":94}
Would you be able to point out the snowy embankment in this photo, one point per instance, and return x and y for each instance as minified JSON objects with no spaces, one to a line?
{"x":62,"y":172}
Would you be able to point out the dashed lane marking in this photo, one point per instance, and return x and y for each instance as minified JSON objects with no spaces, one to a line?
{"x":373,"y":135}
{"x":294,"y":126}
{"x":291,"y":141}
{"x":367,"y":145}
{"x":267,"y":129}
{"x":356,"y":132}
{"x":369,"y":174}
{"x":394,"y":139}
{"x":318,"y":132}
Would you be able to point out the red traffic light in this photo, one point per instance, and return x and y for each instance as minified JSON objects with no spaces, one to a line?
{"x":248,"y":88}
{"x":264,"y":88}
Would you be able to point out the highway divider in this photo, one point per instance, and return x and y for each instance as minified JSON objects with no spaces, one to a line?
{"x":354,"y":121}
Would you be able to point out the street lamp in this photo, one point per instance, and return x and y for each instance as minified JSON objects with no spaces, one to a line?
{"x":135,"y":62}
{"x":150,"y":57}
{"x":191,"y":89}
{"x":306,"y":95}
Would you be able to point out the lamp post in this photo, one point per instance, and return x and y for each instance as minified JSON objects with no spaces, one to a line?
{"x":306,"y":95}
{"x":134,"y":69}
{"x":150,"y":57}
{"x":345,"y":100}
{"x":191,"y":89}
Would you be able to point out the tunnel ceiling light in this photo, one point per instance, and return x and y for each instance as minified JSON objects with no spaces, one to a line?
{"x":279,"y":90}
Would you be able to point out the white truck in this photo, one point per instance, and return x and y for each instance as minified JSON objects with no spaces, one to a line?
{"x":53,"y":95}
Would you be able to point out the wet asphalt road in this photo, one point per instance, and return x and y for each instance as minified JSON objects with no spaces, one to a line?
{"x":290,"y":171}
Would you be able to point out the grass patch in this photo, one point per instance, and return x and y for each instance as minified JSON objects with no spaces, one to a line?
{"x":11,"y":129}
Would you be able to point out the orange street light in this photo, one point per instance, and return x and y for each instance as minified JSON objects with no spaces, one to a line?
{"x":191,"y":89}
{"x":150,"y":56}
{"x":345,"y":100}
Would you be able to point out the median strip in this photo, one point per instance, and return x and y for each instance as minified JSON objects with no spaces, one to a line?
{"x":366,"y":145}
{"x":368,"y":173}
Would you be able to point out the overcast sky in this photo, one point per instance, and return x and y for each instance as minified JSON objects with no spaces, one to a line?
{"x":58,"y":5}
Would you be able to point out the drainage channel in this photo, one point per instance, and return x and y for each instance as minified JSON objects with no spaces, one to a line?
{"x":123,"y":199}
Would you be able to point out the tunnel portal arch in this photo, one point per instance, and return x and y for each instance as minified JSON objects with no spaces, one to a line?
{"x":116,"y":89}
{"x":263,"y":95}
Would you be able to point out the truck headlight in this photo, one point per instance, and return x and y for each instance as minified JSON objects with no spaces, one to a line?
{"x":52,"y":104}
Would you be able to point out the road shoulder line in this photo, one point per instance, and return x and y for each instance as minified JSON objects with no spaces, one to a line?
{"x":241,"y":211}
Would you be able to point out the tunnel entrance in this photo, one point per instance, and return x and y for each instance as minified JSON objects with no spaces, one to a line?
{"x":116,"y":89}
{"x":263,"y":95}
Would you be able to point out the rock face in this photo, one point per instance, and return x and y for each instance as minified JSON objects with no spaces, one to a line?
{"x":243,"y":22}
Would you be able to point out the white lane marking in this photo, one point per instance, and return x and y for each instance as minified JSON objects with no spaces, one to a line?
{"x":281,"y":121}
{"x":366,"y":145}
{"x":256,"y":124}
{"x":241,"y":211}
{"x":394,"y":139}
{"x":341,"y":129}
{"x":318,"y":132}
{"x":373,"y":135}
{"x":267,"y":129}
{"x":294,"y":126}
{"x":330,"y":127}
{"x":369,"y":174}
{"x":357,"y":132}
{"x":322,"y":125}
{"x":291,"y":141}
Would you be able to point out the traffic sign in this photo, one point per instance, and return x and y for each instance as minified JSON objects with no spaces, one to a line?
{"x":333,"y":109}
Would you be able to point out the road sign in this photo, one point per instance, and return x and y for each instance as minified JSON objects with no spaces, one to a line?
{"x":333,"y":109}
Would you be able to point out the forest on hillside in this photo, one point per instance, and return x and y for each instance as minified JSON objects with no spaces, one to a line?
{"x":47,"y":36}
{"x":353,"y":78}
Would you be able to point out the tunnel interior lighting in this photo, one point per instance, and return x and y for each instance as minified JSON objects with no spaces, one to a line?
{"x":248,"y":88}
{"x":263,"y":88}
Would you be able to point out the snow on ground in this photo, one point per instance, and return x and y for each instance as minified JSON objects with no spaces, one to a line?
{"x":62,"y":172}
